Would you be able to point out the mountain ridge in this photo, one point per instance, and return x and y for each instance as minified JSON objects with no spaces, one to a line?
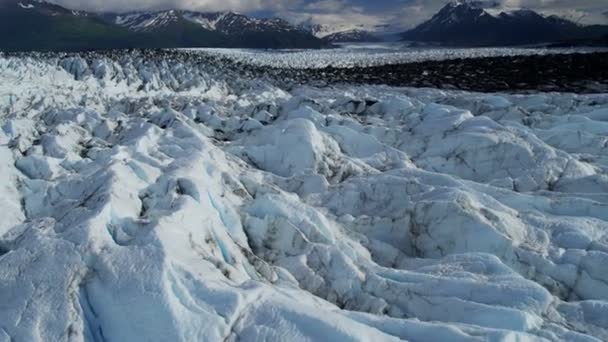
{"x":37,"y":25}
{"x":40,"y":25}
{"x":476,"y":23}
{"x":351,"y":36}
{"x":349,"y":33}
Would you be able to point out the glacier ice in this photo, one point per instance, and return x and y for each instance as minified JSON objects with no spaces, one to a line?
{"x":169,"y":200}
{"x":366,"y":54}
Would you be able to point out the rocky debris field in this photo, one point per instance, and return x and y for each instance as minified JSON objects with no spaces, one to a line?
{"x":579,"y":73}
{"x":168,"y":196}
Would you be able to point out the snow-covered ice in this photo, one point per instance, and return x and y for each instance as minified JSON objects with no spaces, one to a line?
{"x":376,"y":54}
{"x":167,"y":200}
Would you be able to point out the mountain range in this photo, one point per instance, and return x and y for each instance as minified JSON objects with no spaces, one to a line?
{"x":475,"y":23}
{"x":343,"y":32}
{"x":353,"y":36}
{"x":39,"y":25}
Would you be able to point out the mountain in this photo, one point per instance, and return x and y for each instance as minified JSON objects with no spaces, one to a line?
{"x":352,"y":36}
{"x":476,"y":23}
{"x":224,"y":22}
{"x":221,"y":29}
{"x":38,"y":25}
{"x":324,"y":30}
{"x":343,"y":33}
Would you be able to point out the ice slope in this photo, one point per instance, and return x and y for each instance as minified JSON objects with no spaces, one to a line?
{"x":164,"y":199}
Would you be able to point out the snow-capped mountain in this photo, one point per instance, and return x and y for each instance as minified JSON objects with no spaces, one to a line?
{"x":324,"y":30}
{"x":39,"y":6}
{"x":342,"y":32}
{"x":145,"y":21}
{"x":38,"y":25}
{"x":224,"y":22}
{"x":353,"y":36}
{"x":478,"y":23}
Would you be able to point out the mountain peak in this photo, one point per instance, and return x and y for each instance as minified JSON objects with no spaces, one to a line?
{"x":483,"y":23}
{"x":39,"y":6}
{"x":228,"y":22}
{"x":457,"y":12}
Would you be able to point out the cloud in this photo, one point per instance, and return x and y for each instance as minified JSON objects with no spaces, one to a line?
{"x":200,"y":5}
{"x":367,"y":14}
{"x":333,"y":12}
{"x":398,"y":13}
{"x":327,"y":6}
{"x":582,"y":11}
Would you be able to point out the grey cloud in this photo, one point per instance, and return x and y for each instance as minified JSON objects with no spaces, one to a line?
{"x":404,"y":13}
{"x":202,"y":5}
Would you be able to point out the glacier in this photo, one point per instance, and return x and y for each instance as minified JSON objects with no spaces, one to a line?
{"x":350,"y":55}
{"x":165,"y":198}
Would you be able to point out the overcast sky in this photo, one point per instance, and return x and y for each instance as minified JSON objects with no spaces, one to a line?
{"x":403,"y":13}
